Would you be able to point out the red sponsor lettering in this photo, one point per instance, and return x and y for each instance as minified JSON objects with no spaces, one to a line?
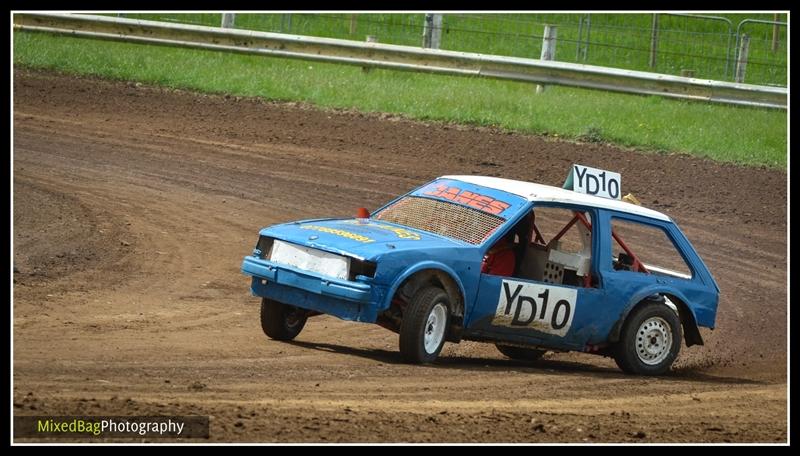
{"x":437,"y":191}
{"x":497,"y":206}
{"x":471,"y":199}
{"x":481,"y":201}
{"x":465,"y":197}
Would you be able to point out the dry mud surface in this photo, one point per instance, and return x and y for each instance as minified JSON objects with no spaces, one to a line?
{"x":133,"y":208}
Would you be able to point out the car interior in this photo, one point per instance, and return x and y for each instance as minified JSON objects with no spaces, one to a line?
{"x":545,"y":254}
{"x":554,"y":245}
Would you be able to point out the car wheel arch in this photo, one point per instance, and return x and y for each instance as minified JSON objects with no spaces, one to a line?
{"x":691,"y":332}
{"x":442,"y":276}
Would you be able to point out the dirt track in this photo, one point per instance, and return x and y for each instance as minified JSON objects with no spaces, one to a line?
{"x":133,"y":207}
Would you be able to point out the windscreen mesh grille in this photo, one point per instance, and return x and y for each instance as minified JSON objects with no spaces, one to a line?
{"x":442,"y":217}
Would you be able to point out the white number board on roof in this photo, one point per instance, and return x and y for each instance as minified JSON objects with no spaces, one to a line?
{"x":593,"y":181}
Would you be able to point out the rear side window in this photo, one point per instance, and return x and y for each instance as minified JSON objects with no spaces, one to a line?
{"x":640,"y":247}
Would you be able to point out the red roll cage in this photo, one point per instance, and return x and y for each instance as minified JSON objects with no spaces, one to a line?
{"x":636,"y":266}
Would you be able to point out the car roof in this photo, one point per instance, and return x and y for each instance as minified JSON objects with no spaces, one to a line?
{"x":540,"y":192}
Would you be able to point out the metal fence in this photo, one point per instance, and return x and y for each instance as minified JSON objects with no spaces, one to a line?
{"x":408,"y":58}
{"x":701,"y":46}
{"x":767,"y":50}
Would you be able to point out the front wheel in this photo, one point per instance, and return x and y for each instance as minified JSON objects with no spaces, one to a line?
{"x":280,"y":321}
{"x":650,"y":340}
{"x":424,"y":325}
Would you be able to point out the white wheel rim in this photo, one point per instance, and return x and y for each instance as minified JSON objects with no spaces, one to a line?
{"x":653,"y":341}
{"x":434,"y":328}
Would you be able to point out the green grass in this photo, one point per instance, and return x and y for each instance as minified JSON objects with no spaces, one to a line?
{"x":616,"y":40}
{"x":726,"y":133}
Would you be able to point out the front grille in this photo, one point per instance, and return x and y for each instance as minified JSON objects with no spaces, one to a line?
{"x":443,"y":218}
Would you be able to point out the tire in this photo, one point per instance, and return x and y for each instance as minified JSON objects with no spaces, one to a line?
{"x":424,"y":325}
{"x":280,"y":321}
{"x":520,"y":353}
{"x":650,"y":340}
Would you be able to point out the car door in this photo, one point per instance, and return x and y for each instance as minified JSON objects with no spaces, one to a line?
{"x":554,"y":295}
{"x":642,"y":258}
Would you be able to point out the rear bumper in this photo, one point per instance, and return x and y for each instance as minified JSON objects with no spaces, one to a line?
{"x":343,"y":298}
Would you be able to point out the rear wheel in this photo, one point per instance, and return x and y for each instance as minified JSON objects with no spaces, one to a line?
{"x":520,"y":353}
{"x":281,"y":321}
{"x":424,"y":325}
{"x":650,"y":340}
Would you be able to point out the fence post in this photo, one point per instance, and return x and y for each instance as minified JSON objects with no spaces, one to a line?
{"x":582,"y":48}
{"x":432,"y":31}
{"x":588,"y":33}
{"x":227,"y":20}
{"x":353,"y":24}
{"x":654,"y":41}
{"x":548,"y":48}
{"x":427,"y":30}
{"x":436,"y":35}
{"x":775,"y":34}
{"x":370,"y":39}
{"x":741,"y":62}
{"x":286,"y":23}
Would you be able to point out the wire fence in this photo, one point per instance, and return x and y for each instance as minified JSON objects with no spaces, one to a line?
{"x":701,"y":46}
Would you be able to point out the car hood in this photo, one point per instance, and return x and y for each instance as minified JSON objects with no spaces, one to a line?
{"x":365,"y":239}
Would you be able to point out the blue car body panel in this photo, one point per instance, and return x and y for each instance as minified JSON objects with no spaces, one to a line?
{"x":495,"y":308}
{"x":365,"y":240}
{"x":482,"y":323}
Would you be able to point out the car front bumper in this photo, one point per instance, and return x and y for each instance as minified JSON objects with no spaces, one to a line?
{"x":345,"y":299}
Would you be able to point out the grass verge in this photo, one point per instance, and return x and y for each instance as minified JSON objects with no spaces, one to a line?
{"x":725,"y":133}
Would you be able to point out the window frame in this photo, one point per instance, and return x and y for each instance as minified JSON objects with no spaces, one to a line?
{"x":664,"y":227}
{"x":594,"y":217}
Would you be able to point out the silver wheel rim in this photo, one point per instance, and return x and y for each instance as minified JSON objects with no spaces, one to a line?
{"x":653,"y":341}
{"x":434,"y":328}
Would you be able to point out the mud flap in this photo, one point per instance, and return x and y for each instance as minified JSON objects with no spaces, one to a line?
{"x":691,"y":333}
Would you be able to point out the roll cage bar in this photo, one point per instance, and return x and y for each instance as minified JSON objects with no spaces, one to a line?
{"x":636,"y":265}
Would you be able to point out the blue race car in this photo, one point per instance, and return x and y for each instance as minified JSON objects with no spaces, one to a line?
{"x":525,"y":266}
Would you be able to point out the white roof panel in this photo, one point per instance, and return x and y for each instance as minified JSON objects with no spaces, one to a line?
{"x":539,"y":192}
